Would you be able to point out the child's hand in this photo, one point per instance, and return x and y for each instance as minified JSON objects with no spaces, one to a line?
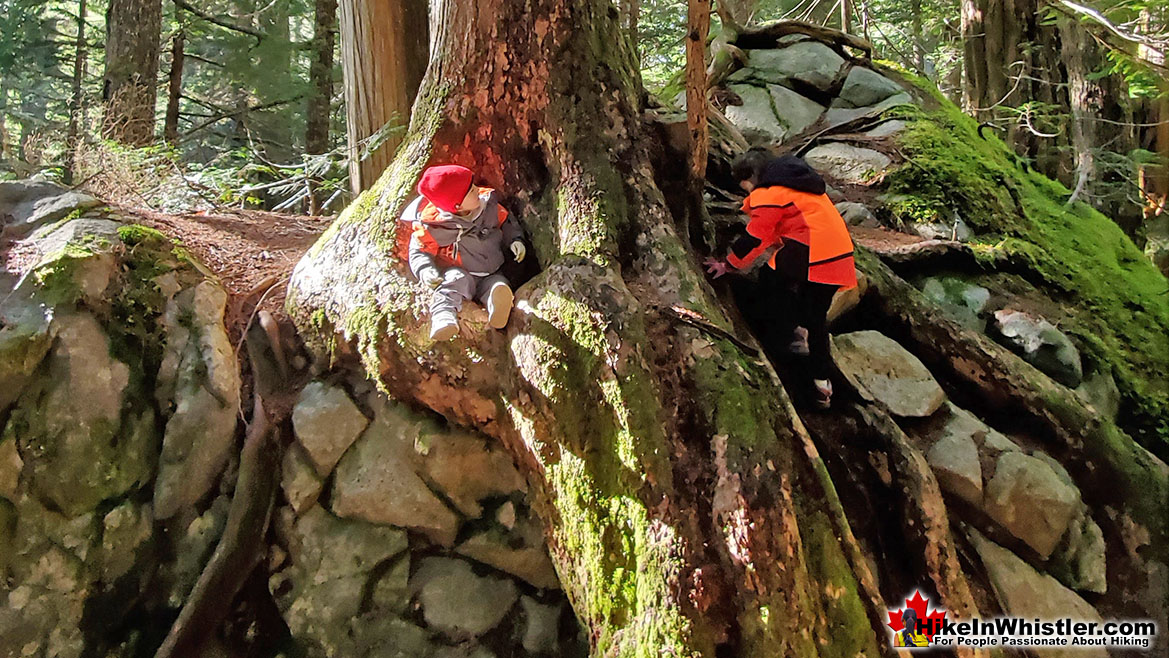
{"x":519,"y":251}
{"x":430,"y":277}
{"x":716,"y":267}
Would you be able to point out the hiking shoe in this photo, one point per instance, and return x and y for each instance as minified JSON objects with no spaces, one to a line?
{"x":499,"y":305}
{"x":799,"y":344}
{"x":443,"y":326}
{"x":822,"y":397}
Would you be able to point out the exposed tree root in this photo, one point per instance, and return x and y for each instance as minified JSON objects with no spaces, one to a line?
{"x":242,"y":544}
{"x":926,"y":523}
{"x":1101,"y":457}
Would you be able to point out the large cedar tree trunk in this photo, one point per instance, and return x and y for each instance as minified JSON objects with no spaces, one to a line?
{"x":383,"y":54}
{"x":685,"y":508}
{"x":133,"y":29}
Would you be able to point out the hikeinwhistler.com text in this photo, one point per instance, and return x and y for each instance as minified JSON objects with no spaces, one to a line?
{"x":1016,"y":632}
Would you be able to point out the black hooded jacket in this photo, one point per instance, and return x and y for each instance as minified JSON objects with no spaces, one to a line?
{"x":793,"y":172}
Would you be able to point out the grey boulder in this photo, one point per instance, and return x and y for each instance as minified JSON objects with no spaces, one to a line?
{"x":847,"y":163}
{"x":881,"y":370}
{"x":1041,"y":344}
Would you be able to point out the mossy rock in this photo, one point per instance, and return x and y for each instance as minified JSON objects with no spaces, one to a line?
{"x":1115,"y":303}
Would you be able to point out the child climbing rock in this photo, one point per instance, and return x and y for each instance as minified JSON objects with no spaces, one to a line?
{"x":799,"y":246}
{"x":457,"y":247}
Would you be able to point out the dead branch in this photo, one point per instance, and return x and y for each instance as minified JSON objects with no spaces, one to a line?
{"x":219,"y":21}
{"x":696,"y":320}
{"x":777,"y":29}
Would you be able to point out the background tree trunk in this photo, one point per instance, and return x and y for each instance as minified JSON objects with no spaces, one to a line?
{"x":320,"y":101}
{"x":170,"y":130}
{"x":73,"y":132}
{"x":321,"y":77}
{"x":383,"y":53}
{"x":669,"y":465}
{"x":133,"y":28}
{"x":697,"y":29}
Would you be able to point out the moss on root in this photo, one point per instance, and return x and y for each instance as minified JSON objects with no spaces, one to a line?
{"x":1116,"y":303}
{"x":845,"y":621}
{"x":612,"y":453}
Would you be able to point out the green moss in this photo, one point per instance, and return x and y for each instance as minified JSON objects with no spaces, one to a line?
{"x":134,"y":234}
{"x":845,"y":621}
{"x":58,"y":273}
{"x":605,"y":406}
{"x":1115,"y":302}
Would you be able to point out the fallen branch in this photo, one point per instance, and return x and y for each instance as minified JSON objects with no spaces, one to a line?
{"x":699,"y":322}
{"x":773,"y":31}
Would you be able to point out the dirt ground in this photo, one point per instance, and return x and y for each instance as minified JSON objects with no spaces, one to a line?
{"x":252,"y":252}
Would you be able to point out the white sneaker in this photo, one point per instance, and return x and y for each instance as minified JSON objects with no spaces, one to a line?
{"x":823,"y":393}
{"x":499,"y":305}
{"x":443,"y":326}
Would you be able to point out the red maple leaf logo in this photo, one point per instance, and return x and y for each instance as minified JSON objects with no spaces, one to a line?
{"x":931,"y":622}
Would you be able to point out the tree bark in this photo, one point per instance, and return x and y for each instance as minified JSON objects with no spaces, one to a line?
{"x":320,"y":101}
{"x":170,"y":130}
{"x":682,"y":513}
{"x":698,"y":27}
{"x":133,"y":28}
{"x":73,"y":132}
{"x":321,"y":78}
{"x":384,"y":55}
{"x":4,"y":148}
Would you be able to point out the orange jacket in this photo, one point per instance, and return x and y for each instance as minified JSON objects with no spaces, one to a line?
{"x":442,"y":240}
{"x":782,"y":215}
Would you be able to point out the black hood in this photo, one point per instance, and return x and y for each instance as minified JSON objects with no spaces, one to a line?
{"x":793,"y":172}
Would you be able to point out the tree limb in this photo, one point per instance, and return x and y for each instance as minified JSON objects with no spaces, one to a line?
{"x":1111,"y":36}
{"x":219,"y":21}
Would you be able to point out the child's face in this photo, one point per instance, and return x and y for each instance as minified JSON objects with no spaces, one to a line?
{"x":470,"y":202}
{"x":747,"y":185}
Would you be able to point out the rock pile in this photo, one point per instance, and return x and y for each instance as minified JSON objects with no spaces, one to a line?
{"x":1026,"y":498}
{"x":119,"y":397}
{"x":402,"y":532}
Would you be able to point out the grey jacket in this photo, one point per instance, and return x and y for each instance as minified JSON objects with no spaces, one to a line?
{"x":475,"y":244}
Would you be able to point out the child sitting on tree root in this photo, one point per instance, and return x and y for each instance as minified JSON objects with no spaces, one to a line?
{"x":459,"y":234}
{"x":800,"y":246}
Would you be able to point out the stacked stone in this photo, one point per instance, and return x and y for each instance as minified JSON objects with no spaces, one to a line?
{"x":1021,"y":498}
{"x":402,"y":532}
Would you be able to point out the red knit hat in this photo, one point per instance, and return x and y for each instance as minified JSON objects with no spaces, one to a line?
{"x":445,"y":186}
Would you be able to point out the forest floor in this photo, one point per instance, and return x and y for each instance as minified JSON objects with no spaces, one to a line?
{"x":252,"y":252}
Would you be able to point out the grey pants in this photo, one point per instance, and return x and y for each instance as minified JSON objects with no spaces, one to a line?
{"x":459,"y":285}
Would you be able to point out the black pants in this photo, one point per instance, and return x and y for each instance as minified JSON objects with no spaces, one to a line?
{"x":775,"y":305}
